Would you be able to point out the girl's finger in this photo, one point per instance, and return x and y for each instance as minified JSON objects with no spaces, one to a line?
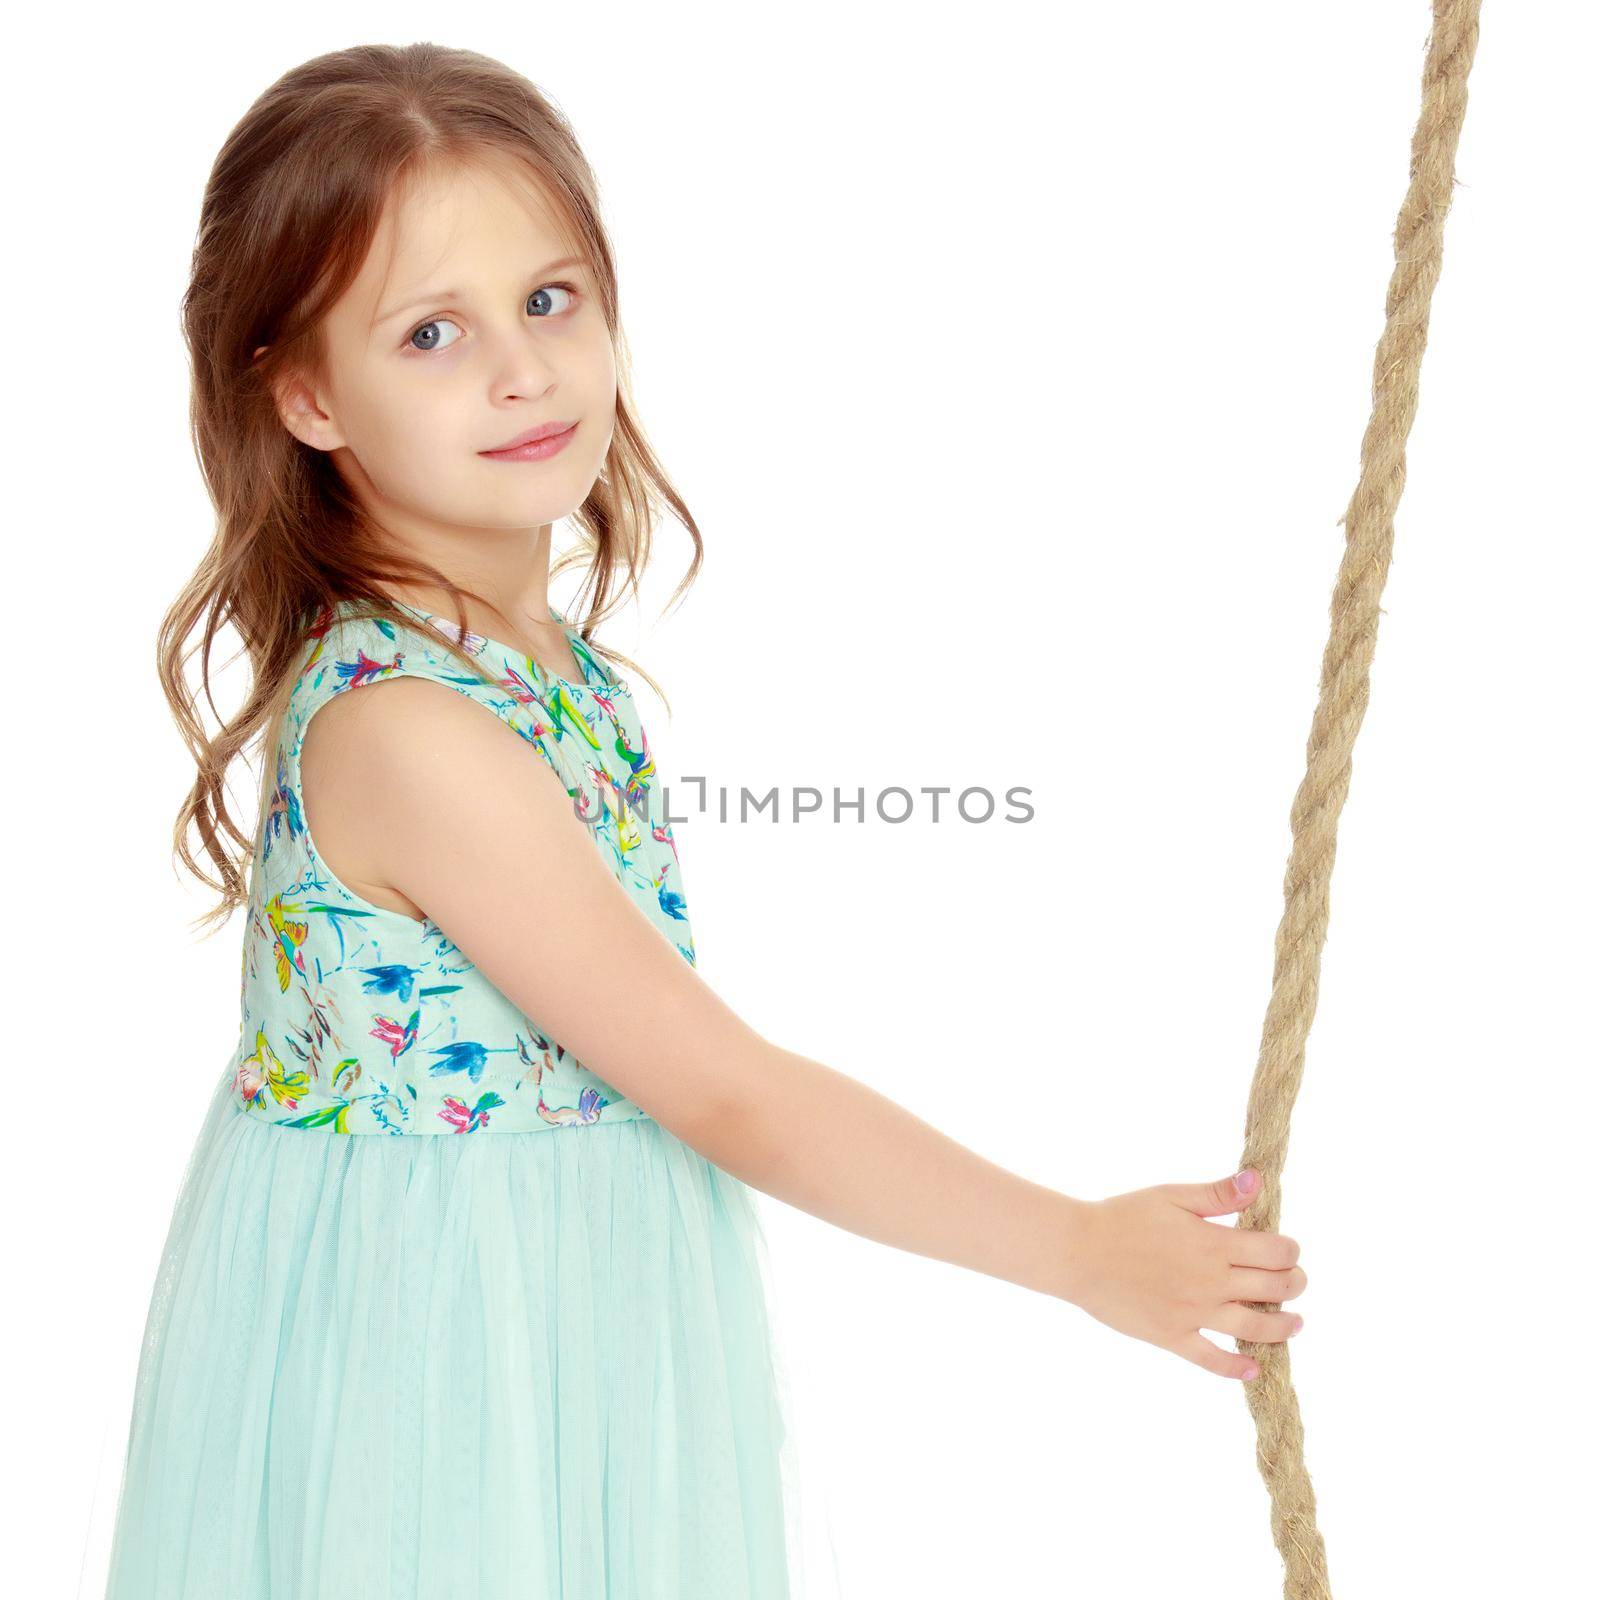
{"x":1232,"y":1193}
{"x":1260,"y":1327}
{"x":1247,"y":1247}
{"x":1225,"y":1363}
{"x":1256,"y":1283}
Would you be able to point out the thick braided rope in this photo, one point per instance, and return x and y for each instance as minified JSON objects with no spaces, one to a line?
{"x":1341,"y":706}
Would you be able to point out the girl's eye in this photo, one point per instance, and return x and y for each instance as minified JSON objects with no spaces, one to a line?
{"x":423,"y":328}
{"x":539,"y":297}
{"x":560,"y":288}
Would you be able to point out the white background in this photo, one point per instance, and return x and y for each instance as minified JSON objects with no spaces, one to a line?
{"x":1014,"y":362}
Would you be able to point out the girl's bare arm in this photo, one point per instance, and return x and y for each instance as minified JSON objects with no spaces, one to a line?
{"x":411,"y":786}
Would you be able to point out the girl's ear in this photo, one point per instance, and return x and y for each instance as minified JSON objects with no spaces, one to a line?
{"x":300,"y":412}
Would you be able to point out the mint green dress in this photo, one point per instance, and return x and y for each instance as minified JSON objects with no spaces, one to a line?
{"x":441,"y":1313}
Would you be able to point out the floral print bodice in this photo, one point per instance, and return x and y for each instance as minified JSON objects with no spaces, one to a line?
{"x":355,"y":1018}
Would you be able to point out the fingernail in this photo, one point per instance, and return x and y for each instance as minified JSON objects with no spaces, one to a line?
{"x":1299,"y":1323}
{"x":1246,"y":1181}
{"x":1251,"y":1374}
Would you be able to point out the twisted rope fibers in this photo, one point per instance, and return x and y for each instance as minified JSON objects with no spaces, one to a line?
{"x":1341,"y":706}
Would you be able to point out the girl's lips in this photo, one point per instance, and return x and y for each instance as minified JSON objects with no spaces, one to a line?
{"x":536,"y":449}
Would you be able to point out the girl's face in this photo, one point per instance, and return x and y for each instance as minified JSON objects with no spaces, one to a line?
{"x":467,"y":325}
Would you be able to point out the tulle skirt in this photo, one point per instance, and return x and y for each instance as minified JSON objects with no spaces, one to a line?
{"x":484,"y":1365}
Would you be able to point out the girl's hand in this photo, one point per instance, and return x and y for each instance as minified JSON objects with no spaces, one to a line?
{"x":1148,"y":1266}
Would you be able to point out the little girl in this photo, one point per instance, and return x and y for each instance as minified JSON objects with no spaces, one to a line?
{"x":464,"y":1294}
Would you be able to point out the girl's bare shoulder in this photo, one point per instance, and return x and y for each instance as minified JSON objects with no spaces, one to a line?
{"x":347,"y":746}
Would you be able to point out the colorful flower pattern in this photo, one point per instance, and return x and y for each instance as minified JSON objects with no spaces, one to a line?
{"x":358,"y":1019}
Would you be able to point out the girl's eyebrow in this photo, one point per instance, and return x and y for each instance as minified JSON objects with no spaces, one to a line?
{"x":439,"y":296}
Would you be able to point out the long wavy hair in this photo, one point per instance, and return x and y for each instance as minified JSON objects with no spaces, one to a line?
{"x":289,"y":213}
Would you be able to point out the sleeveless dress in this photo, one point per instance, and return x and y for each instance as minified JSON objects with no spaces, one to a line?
{"x":440,"y":1312}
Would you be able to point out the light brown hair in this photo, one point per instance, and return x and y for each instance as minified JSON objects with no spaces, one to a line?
{"x":290,"y":210}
